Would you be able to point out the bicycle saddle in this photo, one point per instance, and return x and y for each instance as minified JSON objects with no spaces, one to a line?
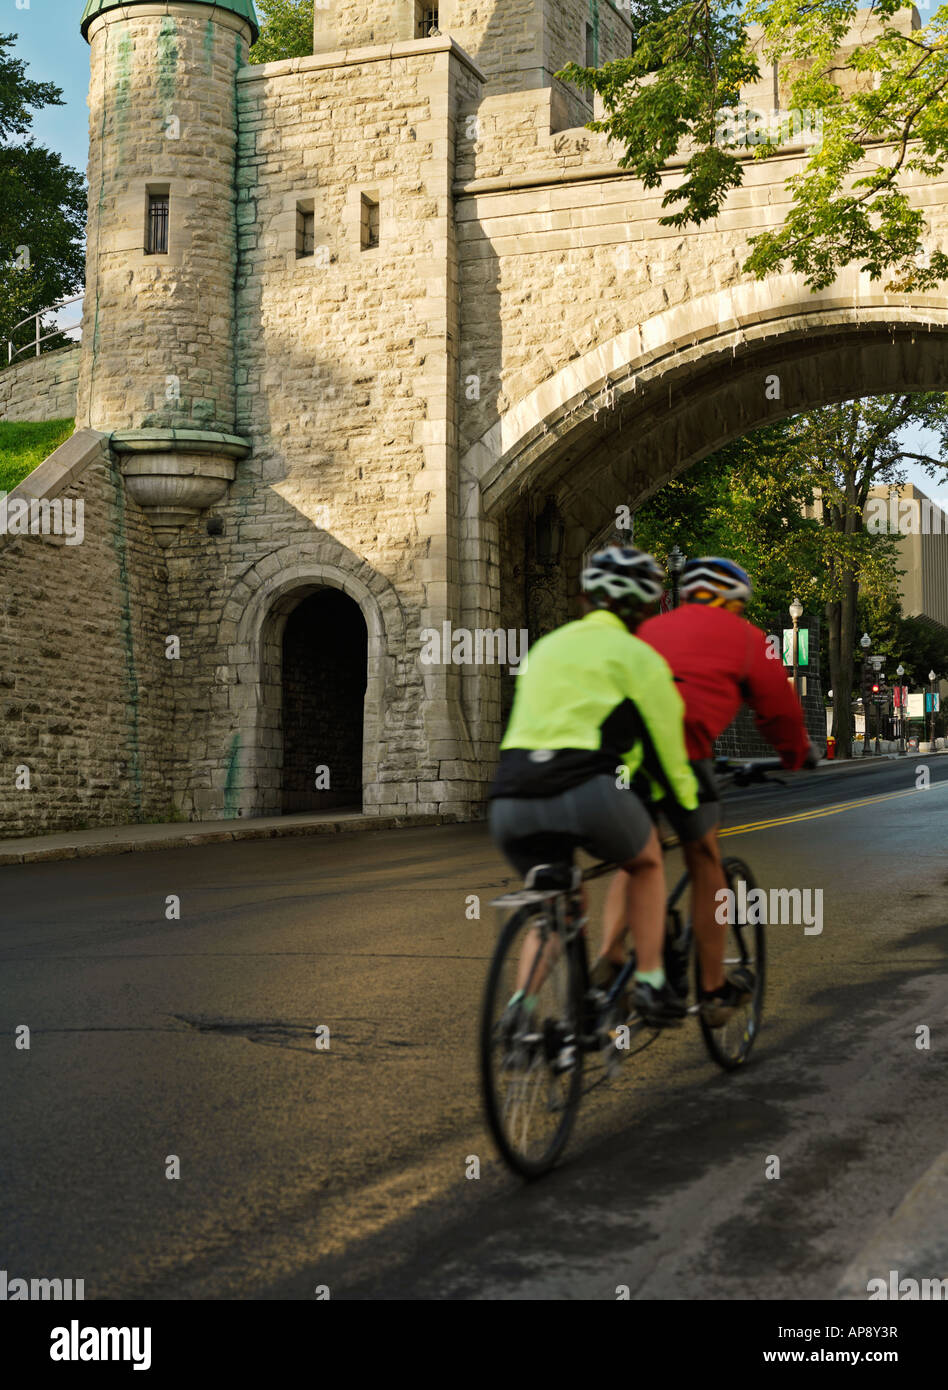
{"x":555,"y":878}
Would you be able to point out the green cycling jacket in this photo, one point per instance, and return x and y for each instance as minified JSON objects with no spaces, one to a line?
{"x":589,"y":697}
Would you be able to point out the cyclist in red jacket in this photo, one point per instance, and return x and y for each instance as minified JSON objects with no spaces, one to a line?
{"x":719,"y":661}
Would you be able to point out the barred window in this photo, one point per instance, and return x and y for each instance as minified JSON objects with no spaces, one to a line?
{"x":156,"y":237}
{"x":426,"y":19}
{"x":591,"y":54}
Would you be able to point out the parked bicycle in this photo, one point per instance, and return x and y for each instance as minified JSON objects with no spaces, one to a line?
{"x":533,"y":1056}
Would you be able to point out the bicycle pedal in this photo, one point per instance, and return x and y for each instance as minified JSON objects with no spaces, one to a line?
{"x":565,"y":1061}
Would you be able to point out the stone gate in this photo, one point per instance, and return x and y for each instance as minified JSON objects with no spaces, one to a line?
{"x":385,"y":323}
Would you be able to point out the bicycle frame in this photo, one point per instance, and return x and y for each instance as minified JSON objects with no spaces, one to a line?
{"x":742,"y":772}
{"x":671,"y":908}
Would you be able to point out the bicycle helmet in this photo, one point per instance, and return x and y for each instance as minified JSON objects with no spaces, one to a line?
{"x":715,"y":581}
{"x":622,"y":573}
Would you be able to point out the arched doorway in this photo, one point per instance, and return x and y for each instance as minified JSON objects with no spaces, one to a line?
{"x":324,"y":676}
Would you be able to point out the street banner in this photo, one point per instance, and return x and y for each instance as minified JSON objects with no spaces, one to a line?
{"x":803,"y":648}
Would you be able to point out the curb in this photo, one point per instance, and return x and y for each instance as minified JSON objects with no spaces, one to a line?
{"x":912,"y":1243}
{"x":90,"y":844}
{"x":97,"y":843}
{"x":873,"y":760}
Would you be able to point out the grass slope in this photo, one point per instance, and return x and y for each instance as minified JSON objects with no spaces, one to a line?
{"x":24,"y":445}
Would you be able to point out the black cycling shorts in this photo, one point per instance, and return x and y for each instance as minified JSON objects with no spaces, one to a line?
{"x":694,"y":825}
{"x":607,"y":821}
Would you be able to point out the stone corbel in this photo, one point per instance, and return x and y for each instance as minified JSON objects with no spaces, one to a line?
{"x":175,"y":475}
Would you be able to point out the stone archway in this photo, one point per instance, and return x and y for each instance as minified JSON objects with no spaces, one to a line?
{"x":713,"y":343}
{"x":619,"y":421}
{"x":257,"y":614}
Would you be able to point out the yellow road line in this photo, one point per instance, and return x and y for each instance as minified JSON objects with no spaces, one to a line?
{"x":819,"y":812}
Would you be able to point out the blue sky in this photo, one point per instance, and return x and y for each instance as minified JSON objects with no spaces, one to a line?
{"x":48,"y":39}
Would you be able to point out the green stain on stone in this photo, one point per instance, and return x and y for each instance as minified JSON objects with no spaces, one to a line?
{"x":209,"y":33}
{"x":119,"y":538}
{"x":167,"y":60}
{"x":122,"y":85}
{"x":230,"y":786}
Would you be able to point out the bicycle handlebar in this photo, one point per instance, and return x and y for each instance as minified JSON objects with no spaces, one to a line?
{"x":744,"y":772}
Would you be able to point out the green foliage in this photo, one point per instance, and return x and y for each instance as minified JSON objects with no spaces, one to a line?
{"x":686,"y":66}
{"x":746,"y":502}
{"x":912,"y":642}
{"x":845,"y":208}
{"x":42,"y":207}
{"x":286,"y":30}
{"x":741,"y":502}
{"x":24,"y":446}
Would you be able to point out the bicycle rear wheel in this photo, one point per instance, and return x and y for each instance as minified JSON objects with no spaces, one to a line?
{"x":731,"y":1044}
{"x":531,"y":1058}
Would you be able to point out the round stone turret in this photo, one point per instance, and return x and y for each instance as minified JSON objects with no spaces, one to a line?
{"x":159,"y":315}
{"x":244,"y":8}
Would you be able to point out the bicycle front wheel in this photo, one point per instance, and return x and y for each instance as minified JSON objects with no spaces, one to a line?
{"x":531,"y":1057}
{"x":731,"y":1044}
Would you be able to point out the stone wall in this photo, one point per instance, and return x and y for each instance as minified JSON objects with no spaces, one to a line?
{"x":524,"y":330}
{"x":564,"y":41}
{"x":504,"y":40}
{"x":85,"y":687}
{"x":41,"y":388}
{"x":347,"y":384}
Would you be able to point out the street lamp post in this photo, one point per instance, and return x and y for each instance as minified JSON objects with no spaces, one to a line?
{"x":900,"y":672}
{"x":676,"y":563}
{"x":931,"y":717}
{"x":877,"y":664}
{"x":865,"y":642}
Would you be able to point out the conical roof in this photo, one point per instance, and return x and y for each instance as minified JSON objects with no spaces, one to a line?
{"x":242,"y":7}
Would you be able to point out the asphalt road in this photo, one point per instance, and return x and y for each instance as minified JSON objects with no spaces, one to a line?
{"x":345,"y":1168}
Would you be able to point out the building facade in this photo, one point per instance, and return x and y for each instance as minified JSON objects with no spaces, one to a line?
{"x":375,"y":342}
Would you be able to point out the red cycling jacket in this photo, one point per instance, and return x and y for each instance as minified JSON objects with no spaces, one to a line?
{"x":719,"y":661}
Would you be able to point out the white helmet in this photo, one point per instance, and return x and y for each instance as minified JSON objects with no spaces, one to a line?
{"x":623,"y":573}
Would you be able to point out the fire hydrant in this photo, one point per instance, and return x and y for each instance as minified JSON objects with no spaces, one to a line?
{"x":831,"y":747}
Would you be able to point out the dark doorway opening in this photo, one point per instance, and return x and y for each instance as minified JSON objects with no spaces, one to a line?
{"x":325,"y":668}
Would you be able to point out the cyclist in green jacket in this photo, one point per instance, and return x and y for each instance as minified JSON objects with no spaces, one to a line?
{"x":591,"y":696}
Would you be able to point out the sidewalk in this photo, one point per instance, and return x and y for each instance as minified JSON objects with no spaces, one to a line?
{"x":912,"y":1242}
{"x":126,"y":839}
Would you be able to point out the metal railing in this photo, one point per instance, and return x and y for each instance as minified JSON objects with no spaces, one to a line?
{"x":41,"y":338}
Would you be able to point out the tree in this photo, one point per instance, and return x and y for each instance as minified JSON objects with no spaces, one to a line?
{"x":846,"y":450}
{"x":286,"y":30}
{"x":746,"y":500}
{"x":882,"y":109}
{"x":42,"y":204}
{"x":741,"y":502}
{"x":915,"y":643}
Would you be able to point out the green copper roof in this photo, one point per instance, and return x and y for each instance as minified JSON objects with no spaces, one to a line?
{"x":242,"y":7}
